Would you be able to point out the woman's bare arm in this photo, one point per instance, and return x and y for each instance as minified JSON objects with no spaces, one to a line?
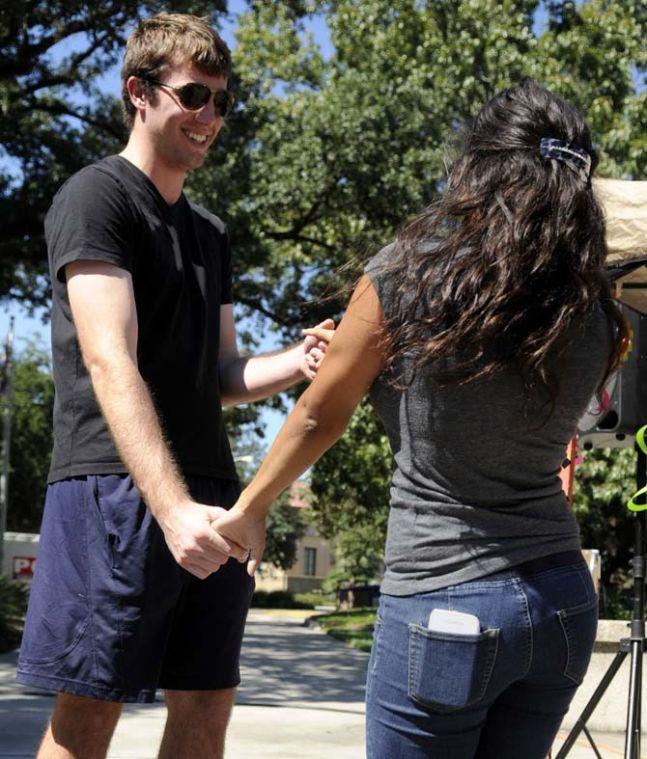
{"x":354,"y":359}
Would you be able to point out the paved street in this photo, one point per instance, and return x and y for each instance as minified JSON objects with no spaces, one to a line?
{"x":302,"y":696}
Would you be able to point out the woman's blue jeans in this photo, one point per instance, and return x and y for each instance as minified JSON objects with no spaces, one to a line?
{"x":500,"y":694}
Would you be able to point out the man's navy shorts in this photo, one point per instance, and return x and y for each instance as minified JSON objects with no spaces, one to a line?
{"x":111,"y":614}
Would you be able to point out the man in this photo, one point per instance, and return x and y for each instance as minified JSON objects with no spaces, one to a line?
{"x":134,"y":589}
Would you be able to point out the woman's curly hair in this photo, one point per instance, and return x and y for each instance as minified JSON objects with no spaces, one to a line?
{"x":511,"y":256}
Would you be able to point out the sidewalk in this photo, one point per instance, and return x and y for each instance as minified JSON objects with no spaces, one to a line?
{"x":302,"y":696}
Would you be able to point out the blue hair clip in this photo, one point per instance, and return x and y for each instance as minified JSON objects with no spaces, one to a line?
{"x":575,"y":158}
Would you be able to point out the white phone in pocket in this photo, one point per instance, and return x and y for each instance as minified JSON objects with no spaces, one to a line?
{"x":455,"y":622}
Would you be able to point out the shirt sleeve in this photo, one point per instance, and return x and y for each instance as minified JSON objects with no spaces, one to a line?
{"x":380,"y":278}
{"x":90,"y":220}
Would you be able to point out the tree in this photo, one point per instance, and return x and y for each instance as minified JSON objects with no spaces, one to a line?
{"x":604,"y":482}
{"x":286,"y":524}
{"x":54,"y":119}
{"x":31,"y":437}
{"x":350,"y":489}
{"x":322,"y":157}
{"x":330,"y":156}
{"x":346,"y":148}
{"x":13,"y":606}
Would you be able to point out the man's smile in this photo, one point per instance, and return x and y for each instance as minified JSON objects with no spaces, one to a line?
{"x":196,"y":137}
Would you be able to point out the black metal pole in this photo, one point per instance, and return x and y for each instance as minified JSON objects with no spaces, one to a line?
{"x":632,"y":744}
{"x":635,"y":645}
{"x":580,"y":725}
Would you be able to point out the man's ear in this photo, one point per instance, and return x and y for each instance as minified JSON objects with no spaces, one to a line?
{"x":136,"y":92}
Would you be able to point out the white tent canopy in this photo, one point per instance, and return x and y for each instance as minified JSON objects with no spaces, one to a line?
{"x":625,"y":208}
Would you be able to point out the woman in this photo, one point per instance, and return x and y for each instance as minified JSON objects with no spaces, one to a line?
{"x":481,"y":334}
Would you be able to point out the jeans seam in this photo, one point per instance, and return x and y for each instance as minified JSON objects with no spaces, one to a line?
{"x":563,"y":615}
{"x":587,"y":584}
{"x":490,"y":668}
{"x":413,"y":660}
{"x":560,"y":616}
{"x":379,"y":626}
{"x":531,"y":652}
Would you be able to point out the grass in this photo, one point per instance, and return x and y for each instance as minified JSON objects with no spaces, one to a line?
{"x":278,"y":599}
{"x":353,"y":627}
{"x":281,"y":599}
{"x":316,"y":598}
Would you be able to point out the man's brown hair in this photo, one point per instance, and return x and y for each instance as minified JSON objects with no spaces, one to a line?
{"x":168,"y":39}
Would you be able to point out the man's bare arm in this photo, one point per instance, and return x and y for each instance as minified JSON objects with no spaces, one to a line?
{"x":244,"y":379}
{"x":103,"y":307}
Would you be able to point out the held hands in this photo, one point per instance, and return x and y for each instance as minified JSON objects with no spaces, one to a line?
{"x":194,"y":545}
{"x":315,"y":345}
{"x":242,"y":529}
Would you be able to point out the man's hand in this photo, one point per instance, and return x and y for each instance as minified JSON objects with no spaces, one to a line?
{"x":241,"y":528}
{"x":315,"y":345}
{"x":194,"y":545}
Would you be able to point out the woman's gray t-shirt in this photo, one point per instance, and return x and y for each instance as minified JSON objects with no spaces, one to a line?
{"x":476,"y":485}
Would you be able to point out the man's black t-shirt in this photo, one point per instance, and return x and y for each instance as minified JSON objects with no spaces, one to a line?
{"x":180,"y":262}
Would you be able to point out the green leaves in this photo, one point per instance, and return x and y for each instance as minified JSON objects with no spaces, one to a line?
{"x":285,"y":525}
{"x":350,"y":489}
{"x":604,"y":483}
{"x":13,"y":606}
{"x":272,"y":49}
{"x":326,"y":154}
{"x":31,"y":437}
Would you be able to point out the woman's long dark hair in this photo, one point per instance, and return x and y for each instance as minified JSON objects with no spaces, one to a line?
{"x":496,"y":272}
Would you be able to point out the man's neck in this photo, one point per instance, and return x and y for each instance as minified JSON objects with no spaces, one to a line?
{"x":169,"y":182}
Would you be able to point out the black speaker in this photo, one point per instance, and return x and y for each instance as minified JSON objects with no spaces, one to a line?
{"x":616,"y":425}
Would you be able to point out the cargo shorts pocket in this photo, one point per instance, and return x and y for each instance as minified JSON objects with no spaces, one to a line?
{"x":118,"y":521}
{"x":450,"y":672}
{"x":579,"y":625}
{"x":54,"y":625}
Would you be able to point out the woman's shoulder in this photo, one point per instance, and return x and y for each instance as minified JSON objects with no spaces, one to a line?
{"x":396,"y":268}
{"x":393,"y":254}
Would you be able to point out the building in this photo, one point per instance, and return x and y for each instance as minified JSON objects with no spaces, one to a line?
{"x":19,"y":556}
{"x":315,"y":556}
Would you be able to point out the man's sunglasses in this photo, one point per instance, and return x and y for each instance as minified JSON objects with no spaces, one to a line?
{"x":194,"y":96}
